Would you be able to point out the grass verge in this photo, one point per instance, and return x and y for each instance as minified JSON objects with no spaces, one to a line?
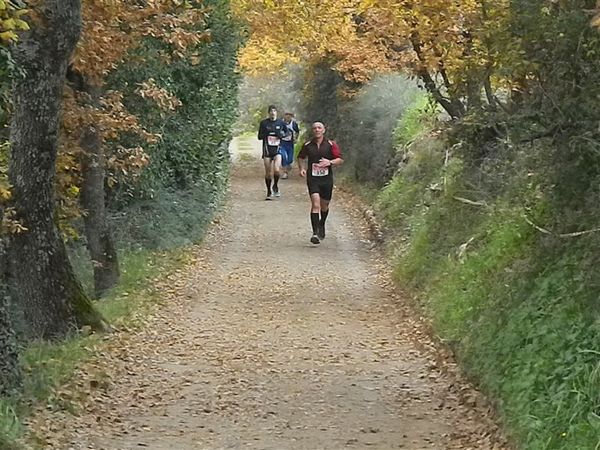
{"x":47,"y":366}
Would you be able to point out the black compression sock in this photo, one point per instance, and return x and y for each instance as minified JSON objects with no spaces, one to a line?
{"x":314,"y":220}
{"x":268,"y":183}
{"x":324,"y":215}
{"x":275,"y":181}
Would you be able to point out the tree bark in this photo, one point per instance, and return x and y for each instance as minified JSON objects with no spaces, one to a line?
{"x":99,"y":240}
{"x":10,"y":373}
{"x":42,"y":278}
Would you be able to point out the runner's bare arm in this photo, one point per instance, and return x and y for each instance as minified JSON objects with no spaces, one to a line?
{"x":301,"y":158}
{"x":301,"y":166}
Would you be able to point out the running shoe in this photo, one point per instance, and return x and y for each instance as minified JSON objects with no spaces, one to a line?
{"x":277,"y":193}
{"x":321,"y":231}
{"x":315,"y":239}
{"x":284,"y":176}
{"x":269,"y":196}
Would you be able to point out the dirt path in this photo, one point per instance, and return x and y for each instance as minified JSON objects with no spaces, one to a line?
{"x":271,"y":343}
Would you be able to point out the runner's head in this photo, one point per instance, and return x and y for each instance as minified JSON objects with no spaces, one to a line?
{"x":318,"y":129}
{"x":272,"y":111}
{"x":288,"y":116}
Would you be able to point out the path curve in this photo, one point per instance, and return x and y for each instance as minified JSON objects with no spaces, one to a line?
{"x":269,"y":342}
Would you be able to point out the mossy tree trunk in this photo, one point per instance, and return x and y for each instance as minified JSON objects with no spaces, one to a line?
{"x":42,"y":278}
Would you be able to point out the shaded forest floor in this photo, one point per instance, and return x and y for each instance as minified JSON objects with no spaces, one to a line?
{"x":265,"y":341}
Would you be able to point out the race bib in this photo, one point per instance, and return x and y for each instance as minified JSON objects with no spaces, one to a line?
{"x":273,"y":141}
{"x":318,"y":171}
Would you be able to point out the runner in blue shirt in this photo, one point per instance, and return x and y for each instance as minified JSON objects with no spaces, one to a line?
{"x":287,"y":143}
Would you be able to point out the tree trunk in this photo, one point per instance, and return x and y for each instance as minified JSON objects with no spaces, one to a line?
{"x":100,"y":243}
{"x":10,"y":374}
{"x":99,"y":240}
{"x":453,"y":106}
{"x":42,"y":277}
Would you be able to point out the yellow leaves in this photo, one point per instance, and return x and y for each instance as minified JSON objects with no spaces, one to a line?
{"x":15,"y":24}
{"x":10,"y":22}
{"x":288,"y":32}
{"x":264,"y":56}
{"x":73,"y":191}
{"x":9,"y":223}
{"x":8,"y":36}
{"x":365,"y":5}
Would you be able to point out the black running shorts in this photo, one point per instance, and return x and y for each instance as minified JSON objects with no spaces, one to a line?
{"x":323,"y":187}
{"x":270,"y":152}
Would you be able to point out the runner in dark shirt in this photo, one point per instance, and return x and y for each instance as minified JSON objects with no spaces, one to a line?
{"x":315,"y":162}
{"x":271,"y":130}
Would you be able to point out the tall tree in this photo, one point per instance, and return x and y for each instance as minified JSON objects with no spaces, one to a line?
{"x":43,"y":281}
{"x":95,"y":117}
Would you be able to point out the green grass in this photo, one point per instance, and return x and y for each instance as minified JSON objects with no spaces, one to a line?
{"x":517,"y":310}
{"x":415,"y":121}
{"x":10,"y":426}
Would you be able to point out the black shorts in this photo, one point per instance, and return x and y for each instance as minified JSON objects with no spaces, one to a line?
{"x":270,"y":152}
{"x":323,"y":187}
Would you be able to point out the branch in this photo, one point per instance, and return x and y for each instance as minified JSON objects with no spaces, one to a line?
{"x":470,"y":202}
{"x":561,"y":235}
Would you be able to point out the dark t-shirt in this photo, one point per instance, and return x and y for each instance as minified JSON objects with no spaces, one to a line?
{"x":313,"y":153}
{"x":270,"y":132}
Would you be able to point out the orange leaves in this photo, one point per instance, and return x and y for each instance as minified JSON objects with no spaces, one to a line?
{"x":163,"y":98}
{"x":112,"y":28}
{"x":110,"y":117}
{"x":126,"y":164}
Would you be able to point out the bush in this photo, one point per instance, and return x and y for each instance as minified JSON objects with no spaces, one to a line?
{"x":194,"y":137}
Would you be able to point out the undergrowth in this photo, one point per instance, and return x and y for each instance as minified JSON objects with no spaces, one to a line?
{"x":519,"y":307}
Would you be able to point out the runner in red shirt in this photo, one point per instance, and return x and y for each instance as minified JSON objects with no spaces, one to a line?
{"x":321,"y":155}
